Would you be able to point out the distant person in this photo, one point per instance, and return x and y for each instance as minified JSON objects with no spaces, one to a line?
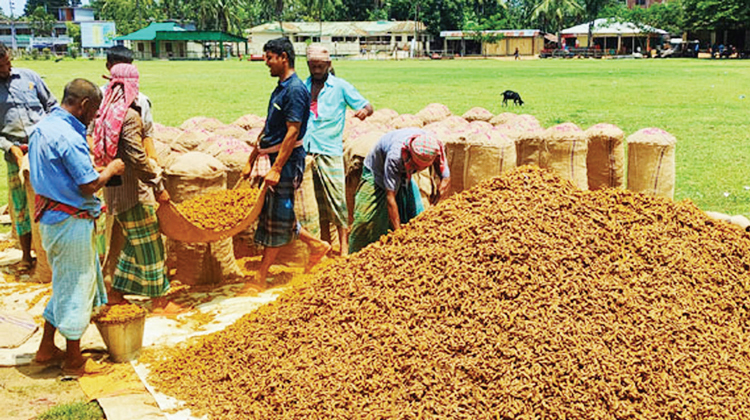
{"x":65,"y":181}
{"x":26,"y":100}
{"x":516,"y":54}
{"x":282,"y":140}
{"x":330,"y":96}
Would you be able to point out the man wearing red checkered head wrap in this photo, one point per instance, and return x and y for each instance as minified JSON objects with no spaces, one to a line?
{"x":387,"y":196}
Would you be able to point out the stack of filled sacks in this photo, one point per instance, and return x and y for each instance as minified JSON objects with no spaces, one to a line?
{"x":190,"y":175}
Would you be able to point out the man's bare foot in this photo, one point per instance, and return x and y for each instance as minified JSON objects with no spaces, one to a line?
{"x":170,"y":309}
{"x":317,"y":254}
{"x":53,"y":356}
{"x":250,"y":289}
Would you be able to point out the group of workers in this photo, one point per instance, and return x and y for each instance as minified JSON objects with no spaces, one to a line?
{"x":101,"y":138}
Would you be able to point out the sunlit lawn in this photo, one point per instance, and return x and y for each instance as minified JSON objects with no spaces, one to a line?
{"x":701,"y":102}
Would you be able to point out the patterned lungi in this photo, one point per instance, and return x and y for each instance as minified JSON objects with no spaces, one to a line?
{"x":330,"y":190}
{"x":277,"y":223}
{"x":17,"y":192}
{"x":77,"y":282}
{"x":141,"y":268}
{"x":371,"y":219}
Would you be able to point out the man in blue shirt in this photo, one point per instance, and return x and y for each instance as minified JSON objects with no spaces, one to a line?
{"x":324,"y":140}
{"x":281,"y":140}
{"x":65,"y":181}
{"x":24,"y":100}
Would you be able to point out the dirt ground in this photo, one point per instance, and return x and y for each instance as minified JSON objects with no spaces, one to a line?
{"x":28,"y":391}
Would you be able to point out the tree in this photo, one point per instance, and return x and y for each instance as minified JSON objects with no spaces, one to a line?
{"x":591,"y":11}
{"x":128,"y":15}
{"x":41,"y":22}
{"x":669,"y":16}
{"x":715,"y":14}
{"x":556,"y":12}
{"x":48,"y":6}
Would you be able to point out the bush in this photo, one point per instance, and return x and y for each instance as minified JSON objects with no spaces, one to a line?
{"x":47,"y":53}
{"x":34,"y":54}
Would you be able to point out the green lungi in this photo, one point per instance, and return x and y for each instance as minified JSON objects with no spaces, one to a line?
{"x":330,"y":190}
{"x":141,"y":268}
{"x":371,"y":210}
{"x":17,"y":192}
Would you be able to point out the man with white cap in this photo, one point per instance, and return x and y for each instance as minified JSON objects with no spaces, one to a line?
{"x":387,"y":196}
{"x":330,"y":97}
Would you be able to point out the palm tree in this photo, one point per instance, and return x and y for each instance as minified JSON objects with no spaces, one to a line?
{"x":555,"y":11}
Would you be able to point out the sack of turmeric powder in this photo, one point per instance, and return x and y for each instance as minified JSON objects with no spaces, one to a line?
{"x":190,"y":175}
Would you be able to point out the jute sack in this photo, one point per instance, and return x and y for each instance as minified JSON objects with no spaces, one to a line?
{"x":477,"y":114}
{"x":191,"y":175}
{"x":306,"y":211}
{"x":479,"y":126}
{"x":233,"y":131}
{"x":189,"y":140}
{"x":440,"y":131}
{"x":405,"y":121}
{"x":364,"y":128}
{"x":651,"y":162}
{"x":606,"y":157}
{"x":43,"y":271}
{"x":568,"y":146}
{"x":166,"y":134}
{"x":249,"y":121}
{"x":162,"y":153}
{"x":382,"y":116}
{"x":433,"y":113}
{"x":503,"y":118}
{"x":192,"y":123}
{"x":455,"y":151}
{"x":455,"y":122}
{"x":487,"y":154}
{"x":233,"y":153}
{"x":531,"y":147}
{"x":526,"y":122}
{"x":210,"y":124}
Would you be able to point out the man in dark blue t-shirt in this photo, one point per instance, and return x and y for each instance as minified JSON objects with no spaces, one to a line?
{"x":281,"y":140}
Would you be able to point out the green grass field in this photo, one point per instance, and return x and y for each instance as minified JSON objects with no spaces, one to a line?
{"x":701,"y":102}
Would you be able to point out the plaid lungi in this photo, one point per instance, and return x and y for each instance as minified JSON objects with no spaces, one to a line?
{"x":277,"y":223}
{"x":141,"y":268}
{"x":330,"y":190}
{"x":77,"y":283}
{"x":371,"y":219}
{"x":17,"y":192}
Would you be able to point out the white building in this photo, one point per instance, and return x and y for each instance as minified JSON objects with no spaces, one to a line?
{"x":379,"y":39}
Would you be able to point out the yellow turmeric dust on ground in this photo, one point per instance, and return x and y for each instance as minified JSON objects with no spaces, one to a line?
{"x":219,"y":210}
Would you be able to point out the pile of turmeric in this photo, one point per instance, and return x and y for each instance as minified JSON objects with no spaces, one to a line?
{"x":219,"y":210}
{"x":521,"y":298}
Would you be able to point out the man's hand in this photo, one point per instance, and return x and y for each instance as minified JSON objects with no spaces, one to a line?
{"x":17,"y":153}
{"x":361,"y":114}
{"x":444,"y":185}
{"x":163,"y":197}
{"x":365,"y":112}
{"x":247,"y":170}
{"x":273,"y":176}
{"x":116,"y":167}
